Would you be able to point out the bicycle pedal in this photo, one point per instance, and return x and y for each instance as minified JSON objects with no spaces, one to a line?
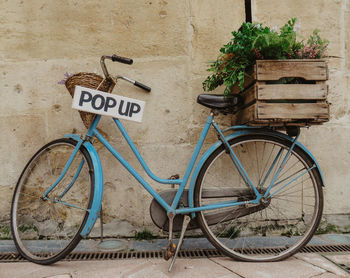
{"x":170,"y":251}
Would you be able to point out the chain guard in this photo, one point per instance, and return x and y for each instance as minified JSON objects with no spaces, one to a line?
{"x":160,"y":217}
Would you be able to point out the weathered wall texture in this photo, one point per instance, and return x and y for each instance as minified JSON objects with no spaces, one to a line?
{"x":329,"y":142}
{"x":171,"y":42}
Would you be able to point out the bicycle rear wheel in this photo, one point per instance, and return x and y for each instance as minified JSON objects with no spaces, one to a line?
{"x":45,"y":231}
{"x":269,"y":231}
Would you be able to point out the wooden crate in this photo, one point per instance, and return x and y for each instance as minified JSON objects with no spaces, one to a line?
{"x":268,"y":103}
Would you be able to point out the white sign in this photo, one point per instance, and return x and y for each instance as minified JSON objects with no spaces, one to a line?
{"x":106,"y":104}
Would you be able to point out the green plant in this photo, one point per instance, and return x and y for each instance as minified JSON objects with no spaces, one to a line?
{"x":326,"y":228}
{"x":28,"y":227}
{"x":291,"y":232}
{"x":273,"y":45}
{"x":253,"y":41}
{"x":145,"y":234}
{"x":5,"y":232}
{"x":315,"y":48}
{"x":231,"y":233}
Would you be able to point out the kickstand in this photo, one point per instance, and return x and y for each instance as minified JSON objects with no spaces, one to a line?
{"x":101,"y":220}
{"x":187,"y":220}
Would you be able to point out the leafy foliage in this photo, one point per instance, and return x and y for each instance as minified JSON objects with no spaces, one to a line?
{"x":144,"y":235}
{"x":253,"y":41}
{"x":231,"y":233}
{"x":315,"y":48}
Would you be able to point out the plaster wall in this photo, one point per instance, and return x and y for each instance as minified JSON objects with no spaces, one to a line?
{"x":171,"y":43}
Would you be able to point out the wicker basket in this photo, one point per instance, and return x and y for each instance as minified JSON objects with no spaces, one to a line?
{"x":92,"y":81}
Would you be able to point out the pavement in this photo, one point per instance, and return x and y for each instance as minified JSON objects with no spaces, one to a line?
{"x":325,"y":265}
{"x":300,"y":265}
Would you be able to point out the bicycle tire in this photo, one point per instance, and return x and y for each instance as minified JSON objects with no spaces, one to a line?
{"x":274,"y":230}
{"x":45,"y":231}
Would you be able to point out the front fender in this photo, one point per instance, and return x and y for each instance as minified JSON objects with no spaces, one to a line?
{"x":98,"y":189}
{"x":236,"y":134}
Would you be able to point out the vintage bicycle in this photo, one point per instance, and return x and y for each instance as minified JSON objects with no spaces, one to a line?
{"x":256,"y":194}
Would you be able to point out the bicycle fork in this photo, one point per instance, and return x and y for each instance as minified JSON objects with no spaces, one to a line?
{"x":63,"y":173}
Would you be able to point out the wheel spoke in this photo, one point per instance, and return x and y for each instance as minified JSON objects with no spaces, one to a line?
{"x":47,"y":230}
{"x":285,"y":222}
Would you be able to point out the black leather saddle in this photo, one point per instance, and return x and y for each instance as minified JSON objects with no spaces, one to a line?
{"x":222,"y":103}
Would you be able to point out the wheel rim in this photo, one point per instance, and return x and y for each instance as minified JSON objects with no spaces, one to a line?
{"x":289,"y":218}
{"x":56,"y":225}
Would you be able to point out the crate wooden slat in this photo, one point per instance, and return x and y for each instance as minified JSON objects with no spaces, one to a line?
{"x":276,"y":69}
{"x":291,"y":92}
{"x":315,"y":111}
{"x":269,"y":104}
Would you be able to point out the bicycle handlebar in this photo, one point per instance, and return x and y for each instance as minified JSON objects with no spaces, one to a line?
{"x":135,"y":83}
{"x":124,"y":60}
{"x":142,"y":86}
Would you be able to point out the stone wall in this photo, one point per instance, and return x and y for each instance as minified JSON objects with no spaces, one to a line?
{"x":329,"y":142}
{"x":171,"y":43}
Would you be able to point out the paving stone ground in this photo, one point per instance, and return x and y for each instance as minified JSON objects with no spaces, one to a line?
{"x":329,"y":265}
{"x":300,"y":265}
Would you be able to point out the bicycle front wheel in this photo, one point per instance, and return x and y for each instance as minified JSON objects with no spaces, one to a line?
{"x":282,"y":223}
{"x":45,"y":230}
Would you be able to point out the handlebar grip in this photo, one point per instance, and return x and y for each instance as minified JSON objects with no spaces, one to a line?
{"x":123,"y":60}
{"x":142,"y":86}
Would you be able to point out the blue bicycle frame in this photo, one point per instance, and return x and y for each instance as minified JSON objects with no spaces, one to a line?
{"x":236,"y":131}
